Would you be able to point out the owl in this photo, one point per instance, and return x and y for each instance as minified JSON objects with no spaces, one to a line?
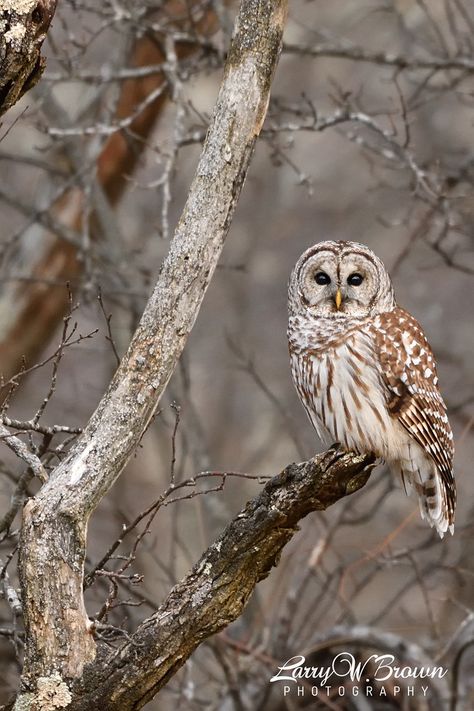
{"x":366,"y":374}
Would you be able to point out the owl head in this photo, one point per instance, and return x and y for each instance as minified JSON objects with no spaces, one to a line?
{"x":340,"y":280}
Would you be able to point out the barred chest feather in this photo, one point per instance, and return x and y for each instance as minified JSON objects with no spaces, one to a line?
{"x":340,"y":385}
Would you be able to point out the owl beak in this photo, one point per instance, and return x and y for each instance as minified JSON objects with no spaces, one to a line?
{"x":338,"y":299}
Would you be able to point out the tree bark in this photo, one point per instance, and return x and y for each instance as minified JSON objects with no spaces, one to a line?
{"x":52,"y":543}
{"x":24,"y":27}
{"x":217,"y":589}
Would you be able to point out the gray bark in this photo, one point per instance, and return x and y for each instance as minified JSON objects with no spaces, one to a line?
{"x":59,"y":642}
{"x":216,"y":590}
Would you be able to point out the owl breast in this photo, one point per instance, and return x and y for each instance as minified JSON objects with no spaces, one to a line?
{"x":342,"y":392}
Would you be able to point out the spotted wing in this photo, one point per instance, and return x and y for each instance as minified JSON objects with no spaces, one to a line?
{"x":409,"y":373}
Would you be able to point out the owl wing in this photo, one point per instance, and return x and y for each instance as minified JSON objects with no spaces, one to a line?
{"x":409,"y":373}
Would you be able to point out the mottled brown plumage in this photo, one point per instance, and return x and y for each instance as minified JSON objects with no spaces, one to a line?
{"x":366,"y":374}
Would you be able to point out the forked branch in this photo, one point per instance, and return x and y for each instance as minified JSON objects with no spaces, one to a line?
{"x":59,"y":643}
{"x":216,"y":590}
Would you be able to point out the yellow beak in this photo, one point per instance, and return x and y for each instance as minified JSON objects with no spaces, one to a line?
{"x":338,"y":299}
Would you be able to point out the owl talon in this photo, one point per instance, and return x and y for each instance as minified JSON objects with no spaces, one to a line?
{"x":358,"y":481}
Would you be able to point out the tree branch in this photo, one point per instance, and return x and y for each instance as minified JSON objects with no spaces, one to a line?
{"x":217,"y":589}
{"x":52,"y":544}
{"x":36,"y":307}
{"x":24,"y":27}
{"x":22,"y":451}
{"x":389,"y":59}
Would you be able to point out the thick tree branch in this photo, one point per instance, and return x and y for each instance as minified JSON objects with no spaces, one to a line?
{"x":24,"y":24}
{"x":216,"y":590}
{"x":52,"y":546}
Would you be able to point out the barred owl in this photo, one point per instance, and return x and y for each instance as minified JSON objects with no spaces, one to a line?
{"x":366,"y":374}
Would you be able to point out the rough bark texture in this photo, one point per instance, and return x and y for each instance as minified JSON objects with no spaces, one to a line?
{"x":216,"y":590}
{"x":23,"y":27}
{"x":58,"y":639}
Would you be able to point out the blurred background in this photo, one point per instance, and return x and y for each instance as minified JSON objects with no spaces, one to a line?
{"x":369,"y":137}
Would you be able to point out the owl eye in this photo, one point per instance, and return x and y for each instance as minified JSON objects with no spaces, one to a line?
{"x":322,"y":278}
{"x":355,"y":279}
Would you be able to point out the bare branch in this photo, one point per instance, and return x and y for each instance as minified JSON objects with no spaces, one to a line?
{"x":216,"y":590}
{"x":35,"y":310}
{"x":360,"y":54}
{"x":57,"y":629}
{"x":22,"y":451}
{"x":32,"y":426}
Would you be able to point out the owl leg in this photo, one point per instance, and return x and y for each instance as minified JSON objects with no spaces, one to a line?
{"x":405,"y":477}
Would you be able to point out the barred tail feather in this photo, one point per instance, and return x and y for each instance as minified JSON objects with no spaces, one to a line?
{"x":432,"y":493}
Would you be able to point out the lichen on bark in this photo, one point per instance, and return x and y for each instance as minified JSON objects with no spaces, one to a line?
{"x":23,"y":27}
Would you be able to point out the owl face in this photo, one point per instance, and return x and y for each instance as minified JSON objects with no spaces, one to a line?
{"x":340,"y":279}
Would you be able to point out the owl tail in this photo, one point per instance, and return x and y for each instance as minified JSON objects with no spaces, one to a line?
{"x":432,"y":495}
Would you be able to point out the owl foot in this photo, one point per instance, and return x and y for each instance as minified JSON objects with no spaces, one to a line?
{"x":359,"y":480}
